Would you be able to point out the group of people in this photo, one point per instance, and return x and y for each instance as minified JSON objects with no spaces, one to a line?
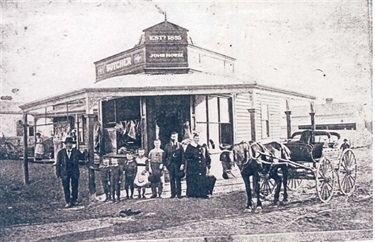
{"x":187,"y":158}
{"x":141,"y":172}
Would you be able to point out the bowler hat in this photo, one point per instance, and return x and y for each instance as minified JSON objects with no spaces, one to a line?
{"x":180,"y":174}
{"x":345,"y":140}
{"x":154,"y":178}
{"x":69,"y":140}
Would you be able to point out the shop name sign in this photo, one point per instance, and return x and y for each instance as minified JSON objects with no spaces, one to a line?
{"x":165,"y":37}
{"x":118,"y":64}
{"x":167,"y":55}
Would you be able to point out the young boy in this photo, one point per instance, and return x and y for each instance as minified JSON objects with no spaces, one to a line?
{"x":130,"y":168}
{"x":141,"y":180}
{"x":155,"y":167}
{"x":105,"y":176}
{"x":116,"y":176}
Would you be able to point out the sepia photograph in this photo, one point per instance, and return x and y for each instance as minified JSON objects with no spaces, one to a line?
{"x":124,"y":120}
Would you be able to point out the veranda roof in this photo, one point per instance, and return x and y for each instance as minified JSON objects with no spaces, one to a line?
{"x":193,"y":83}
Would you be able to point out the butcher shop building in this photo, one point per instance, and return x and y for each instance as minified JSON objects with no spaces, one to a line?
{"x":164,"y":84}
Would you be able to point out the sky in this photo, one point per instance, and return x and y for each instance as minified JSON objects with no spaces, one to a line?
{"x":321,"y":48}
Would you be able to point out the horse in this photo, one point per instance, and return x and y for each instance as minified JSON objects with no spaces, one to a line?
{"x":248,"y":156}
{"x":275,"y":151}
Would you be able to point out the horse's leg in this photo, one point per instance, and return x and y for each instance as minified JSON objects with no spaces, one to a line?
{"x":284,"y":169}
{"x":277,"y":178}
{"x":246,"y":179}
{"x":256,"y":184}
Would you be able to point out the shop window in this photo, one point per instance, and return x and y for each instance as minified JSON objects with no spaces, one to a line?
{"x":265,"y":121}
{"x":213,"y":109}
{"x":200,"y":109}
{"x":19,"y":128}
{"x":224,"y":110}
{"x":217,"y":127}
{"x":109,"y":114}
{"x":31,"y":131}
{"x":121,"y":118}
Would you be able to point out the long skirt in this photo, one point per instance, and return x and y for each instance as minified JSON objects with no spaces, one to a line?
{"x":39,"y":151}
{"x":196,"y":185}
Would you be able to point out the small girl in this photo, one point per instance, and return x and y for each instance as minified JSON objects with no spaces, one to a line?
{"x":141,"y":180}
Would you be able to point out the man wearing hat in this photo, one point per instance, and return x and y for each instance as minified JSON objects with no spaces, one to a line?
{"x":345,"y":145}
{"x":67,"y":168}
{"x":174,"y":163}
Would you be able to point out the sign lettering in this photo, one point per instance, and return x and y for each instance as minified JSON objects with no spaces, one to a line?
{"x":167,"y":55}
{"x":165,"y":37}
{"x":119,"y":64}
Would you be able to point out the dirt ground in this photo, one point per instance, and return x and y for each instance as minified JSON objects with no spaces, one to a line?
{"x":34,"y":213}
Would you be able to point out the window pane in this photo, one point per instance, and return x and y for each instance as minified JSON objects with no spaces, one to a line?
{"x":213,"y":109}
{"x":200,"y":108}
{"x":264,"y":112}
{"x":202,"y":130}
{"x":224,"y":110}
{"x":214,"y":135}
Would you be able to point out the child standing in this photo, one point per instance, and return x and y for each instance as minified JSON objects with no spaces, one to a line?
{"x":155,"y":167}
{"x":141,"y":180}
{"x":130,"y":168}
{"x":105,"y":176}
{"x":116,"y":176}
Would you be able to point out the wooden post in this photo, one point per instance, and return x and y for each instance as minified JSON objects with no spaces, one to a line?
{"x":77,"y":130}
{"x":144,"y":140}
{"x":288,"y":124}
{"x":312,"y":116}
{"x":90,"y":149}
{"x":252,"y":123}
{"x":25,"y":151}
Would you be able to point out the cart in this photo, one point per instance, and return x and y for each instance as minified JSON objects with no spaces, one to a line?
{"x":316,"y":156}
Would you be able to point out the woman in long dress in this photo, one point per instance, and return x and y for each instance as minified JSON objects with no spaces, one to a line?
{"x":39,"y":147}
{"x":198,"y":162}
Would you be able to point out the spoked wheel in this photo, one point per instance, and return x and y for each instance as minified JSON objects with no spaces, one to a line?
{"x":347,"y":172}
{"x":325,"y":179}
{"x":293,"y":184}
{"x":267,"y":186}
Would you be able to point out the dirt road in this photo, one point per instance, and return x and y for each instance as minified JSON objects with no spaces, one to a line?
{"x":220,"y":218}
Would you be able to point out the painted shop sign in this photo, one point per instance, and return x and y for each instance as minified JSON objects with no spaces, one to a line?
{"x":123,"y":63}
{"x":166,"y":56}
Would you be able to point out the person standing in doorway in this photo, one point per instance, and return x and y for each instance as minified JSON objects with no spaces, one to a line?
{"x":174,"y":163}
{"x":198,"y":163}
{"x":39,"y":147}
{"x":67,"y":168}
{"x":155,"y":167}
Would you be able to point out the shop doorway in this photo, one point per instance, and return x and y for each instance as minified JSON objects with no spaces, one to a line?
{"x":166,"y":114}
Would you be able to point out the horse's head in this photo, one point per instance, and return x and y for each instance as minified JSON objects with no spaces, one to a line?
{"x":241,"y":153}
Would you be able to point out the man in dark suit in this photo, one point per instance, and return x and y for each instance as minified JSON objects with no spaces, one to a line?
{"x":67,"y":168}
{"x":174,"y":163}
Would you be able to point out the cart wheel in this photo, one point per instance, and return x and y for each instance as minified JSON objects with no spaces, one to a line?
{"x":293,"y":184}
{"x":347,"y":172}
{"x":325,"y":179}
{"x":266,"y":186}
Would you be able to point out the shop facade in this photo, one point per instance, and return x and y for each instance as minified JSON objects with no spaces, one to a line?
{"x":165,"y":84}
